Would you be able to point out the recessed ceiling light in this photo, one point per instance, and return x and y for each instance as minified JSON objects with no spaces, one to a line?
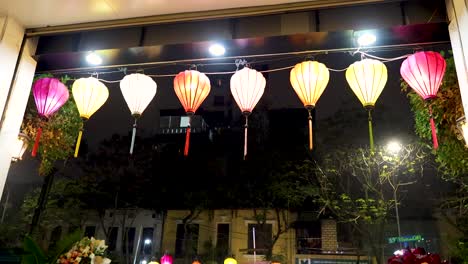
{"x":217,"y":49}
{"x":366,"y":39}
{"x":93,"y":58}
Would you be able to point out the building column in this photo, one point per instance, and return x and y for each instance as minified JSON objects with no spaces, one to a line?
{"x":457,"y":11}
{"x":17,"y":68}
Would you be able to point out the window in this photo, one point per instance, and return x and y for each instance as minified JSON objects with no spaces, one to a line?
{"x":147,"y":241}
{"x":129,"y":240}
{"x":263,"y":238}
{"x":308,"y":237}
{"x":186,"y":242}
{"x":113,"y":232}
{"x":90,"y":231}
{"x":55,"y":236}
{"x":222,"y":239}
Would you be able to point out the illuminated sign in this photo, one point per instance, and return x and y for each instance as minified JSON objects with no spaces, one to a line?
{"x":392,"y":240}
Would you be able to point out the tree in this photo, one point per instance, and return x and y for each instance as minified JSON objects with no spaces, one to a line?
{"x":452,"y":155}
{"x":357,"y":186}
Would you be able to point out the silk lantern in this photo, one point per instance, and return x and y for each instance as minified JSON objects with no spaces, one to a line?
{"x":138,"y":90}
{"x":247,"y":87}
{"x":49,"y":95}
{"x":192,"y":88}
{"x":230,"y":261}
{"x":424,"y":71}
{"x":309,"y":80}
{"x":166,"y":259}
{"x":367,"y":79}
{"x":89,"y":95}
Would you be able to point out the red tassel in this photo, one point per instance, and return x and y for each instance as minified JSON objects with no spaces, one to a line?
{"x":434,"y":134}
{"x":187,"y":142}
{"x":36,"y":142}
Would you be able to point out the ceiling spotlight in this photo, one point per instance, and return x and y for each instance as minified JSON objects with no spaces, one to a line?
{"x":93,"y":58}
{"x":217,"y":49}
{"x":366,"y":39}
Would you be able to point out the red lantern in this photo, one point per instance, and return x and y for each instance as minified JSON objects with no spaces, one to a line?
{"x":247,"y":87}
{"x":424,"y":71}
{"x":49,"y":94}
{"x":191,"y":87}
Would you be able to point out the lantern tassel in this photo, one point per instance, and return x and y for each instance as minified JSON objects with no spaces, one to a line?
{"x":187,"y":137}
{"x":311,"y":138}
{"x":246,"y":127}
{"x":36,"y":142}
{"x":132,"y":144}
{"x":78,"y":142}
{"x":433,"y":128}
{"x":371,"y":133}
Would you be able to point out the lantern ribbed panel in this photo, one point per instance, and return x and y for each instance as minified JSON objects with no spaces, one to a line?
{"x":424,"y":71}
{"x":309,"y":79}
{"x":49,"y":94}
{"x":138,"y":90}
{"x":166,"y":259}
{"x":191,"y":87}
{"x":89,"y":94}
{"x":367,"y":79}
{"x":247,"y":87}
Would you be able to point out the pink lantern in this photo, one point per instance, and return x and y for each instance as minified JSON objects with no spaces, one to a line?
{"x":247,"y":87}
{"x":424,"y":71}
{"x":49,"y":94}
{"x":166,"y":259}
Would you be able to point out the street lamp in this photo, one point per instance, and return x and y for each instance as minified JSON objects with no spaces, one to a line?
{"x":394,"y":147}
{"x":147,"y":241}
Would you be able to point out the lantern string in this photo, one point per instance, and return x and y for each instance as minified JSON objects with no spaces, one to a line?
{"x":371,"y":134}
{"x":433,"y":129}
{"x":187,"y":136}
{"x":246,"y":127}
{"x":132,"y":144}
{"x":382,"y":58}
{"x":36,"y":142}
{"x":311,"y":142}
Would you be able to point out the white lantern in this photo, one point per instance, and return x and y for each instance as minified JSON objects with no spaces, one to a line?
{"x":19,"y":147}
{"x":138,"y":91}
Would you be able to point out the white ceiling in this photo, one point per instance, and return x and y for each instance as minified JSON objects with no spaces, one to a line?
{"x":41,"y":13}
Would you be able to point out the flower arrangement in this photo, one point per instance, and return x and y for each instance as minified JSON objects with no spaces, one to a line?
{"x":86,"y":251}
{"x":414,"y":256}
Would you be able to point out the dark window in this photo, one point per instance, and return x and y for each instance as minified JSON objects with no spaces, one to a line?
{"x":263,"y":238}
{"x":186,"y":242}
{"x":147,"y":241}
{"x":90,"y":231}
{"x":218,"y":100}
{"x":129,"y":239}
{"x":308,"y":237}
{"x":222,"y":239}
{"x":55,"y":236}
{"x":113,"y":232}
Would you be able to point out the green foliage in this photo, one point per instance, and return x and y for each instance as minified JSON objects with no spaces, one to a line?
{"x":447,"y":108}
{"x":59,"y":131}
{"x":452,"y":155}
{"x":33,"y":254}
{"x":65,"y":203}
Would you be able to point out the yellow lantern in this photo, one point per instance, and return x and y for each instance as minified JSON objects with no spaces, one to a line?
{"x":367,"y":79}
{"x":309,"y":80}
{"x":138,"y":90}
{"x":230,"y":261}
{"x":89,"y":95}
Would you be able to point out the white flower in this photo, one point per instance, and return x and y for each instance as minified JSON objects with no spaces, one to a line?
{"x":106,"y":261}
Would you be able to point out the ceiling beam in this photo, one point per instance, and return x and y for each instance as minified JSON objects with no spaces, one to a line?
{"x":198,"y":16}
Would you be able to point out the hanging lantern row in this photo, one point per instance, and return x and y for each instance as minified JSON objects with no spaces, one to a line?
{"x":423,"y":71}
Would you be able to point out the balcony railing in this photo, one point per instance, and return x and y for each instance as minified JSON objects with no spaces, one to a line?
{"x":309,"y":245}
